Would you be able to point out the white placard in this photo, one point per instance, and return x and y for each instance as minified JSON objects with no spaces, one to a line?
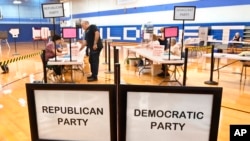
{"x":158,"y":50}
{"x":184,"y":12}
{"x":14,"y":32}
{"x":146,"y":36}
{"x":53,"y":10}
{"x":225,"y":35}
{"x":174,"y":117}
{"x":125,"y":1}
{"x":73,"y":115}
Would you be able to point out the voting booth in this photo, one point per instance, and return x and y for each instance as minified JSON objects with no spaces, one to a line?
{"x":156,"y":113}
{"x":72,"y":112}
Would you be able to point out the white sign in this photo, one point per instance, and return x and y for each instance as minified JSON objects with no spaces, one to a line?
{"x":124,"y":1}
{"x":174,"y":117}
{"x":53,"y":10}
{"x":184,"y":12}
{"x":73,"y":115}
{"x":203,"y":35}
{"x":146,"y":36}
{"x":158,"y":50}
{"x":14,"y":32}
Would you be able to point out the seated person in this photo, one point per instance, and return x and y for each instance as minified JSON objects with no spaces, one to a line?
{"x":162,"y":39}
{"x":233,"y":46}
{"x":175,"y":49}
{"x":150,"y":45}
{"x":154,"y":41}
{"x":164,"y":42}
{"x":62,"y":47}
{"x":51,"y":52}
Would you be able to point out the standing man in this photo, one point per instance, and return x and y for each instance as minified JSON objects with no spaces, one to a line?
{"x":94,"y":46}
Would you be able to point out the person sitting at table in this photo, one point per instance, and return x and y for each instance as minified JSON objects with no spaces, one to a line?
{"x":150,"y":45}
{"x":163,"y":41}
{"x":233,"y":46}
{"x":175,"y":49}
{"x":153,"y":42}
{"x":51,"y":52}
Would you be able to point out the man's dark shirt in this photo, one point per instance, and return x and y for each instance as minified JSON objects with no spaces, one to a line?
{"x":90,"y":38}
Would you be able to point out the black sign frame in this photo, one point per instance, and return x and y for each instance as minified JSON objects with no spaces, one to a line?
{"x":171,"y":27}
{"x":61,"y":14}
{"x":185,"y":8}
{"x":215,"y":91}
{"x":30,"y":90}
{"x":67,"y":28}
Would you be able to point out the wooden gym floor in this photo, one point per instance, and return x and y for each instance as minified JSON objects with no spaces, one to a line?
{"x":14,"y":122}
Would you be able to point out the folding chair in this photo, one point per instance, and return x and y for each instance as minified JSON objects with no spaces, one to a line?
{"x":245,"y":65}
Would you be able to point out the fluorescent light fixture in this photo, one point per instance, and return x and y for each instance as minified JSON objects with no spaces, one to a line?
{"x":17,"y":2}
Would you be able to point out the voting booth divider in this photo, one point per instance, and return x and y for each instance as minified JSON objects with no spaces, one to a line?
{"x":120,"y":112}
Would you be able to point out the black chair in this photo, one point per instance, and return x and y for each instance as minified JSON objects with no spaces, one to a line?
{"x":245,"y":65}
{"x":49,"y":70}
{"x":178,"y":66}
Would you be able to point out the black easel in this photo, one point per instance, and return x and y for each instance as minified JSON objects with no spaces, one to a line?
{"x":184,"y":13}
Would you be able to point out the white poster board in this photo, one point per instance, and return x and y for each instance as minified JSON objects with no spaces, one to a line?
{"x":203,"y":34}
{"x":73,"y":115}
{"x":52,"y":10}
{"x":72,"y":112}
{"x":14,"y":32}
{"x":225,"y":35}
{"x":184,"y":12}
{"x":124,"y":1}
{"x":169,"y":113}
{"x":164,"y":117}
{"x":158,"y":50}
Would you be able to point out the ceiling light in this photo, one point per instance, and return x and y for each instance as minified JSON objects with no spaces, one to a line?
{"x":17,"y":2}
